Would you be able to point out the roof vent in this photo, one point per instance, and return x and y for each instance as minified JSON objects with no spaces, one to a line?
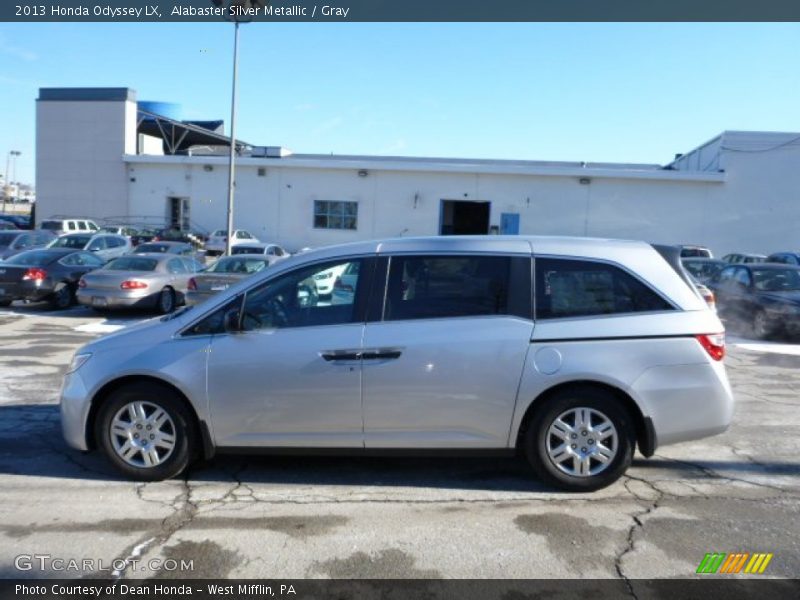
{"x":270,"y":152}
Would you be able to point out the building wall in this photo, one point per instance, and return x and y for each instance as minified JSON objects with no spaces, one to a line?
{"x":279,"y":206}
{"x":79,"y":157}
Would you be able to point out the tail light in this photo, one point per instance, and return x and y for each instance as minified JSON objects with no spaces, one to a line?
{"x":34,"y":274}
{"x":81,"y":283}
{"x":342,"y":287}
{"x":708,"y":296}
{"x":714,"y":344}
{"x":192,"y":284}
{"x":132,"y":284}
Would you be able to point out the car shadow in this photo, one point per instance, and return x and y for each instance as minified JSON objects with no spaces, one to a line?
{"x":31,"y":445}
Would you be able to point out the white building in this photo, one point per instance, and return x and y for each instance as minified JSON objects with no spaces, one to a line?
{"x":102,"y":155}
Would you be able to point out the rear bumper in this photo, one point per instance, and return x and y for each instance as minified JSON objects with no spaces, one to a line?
{"x":115,"y":299}
{"x":25,"y":290}
{"x":686,"y":402}
{"x":192,"y":298}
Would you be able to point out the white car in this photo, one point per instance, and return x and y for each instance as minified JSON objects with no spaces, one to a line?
{"x":216,"y":243}
{"x":263,"y":248}
{"x":326,"y":279}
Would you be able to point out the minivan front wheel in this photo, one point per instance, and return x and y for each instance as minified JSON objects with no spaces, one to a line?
{"x":146,"y":432}
{"x":581,"y":440}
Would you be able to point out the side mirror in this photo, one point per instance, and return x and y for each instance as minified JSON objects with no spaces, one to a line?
{"x":231,"y":320}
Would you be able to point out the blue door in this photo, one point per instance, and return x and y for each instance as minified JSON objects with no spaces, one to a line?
{"x":509,"y":223}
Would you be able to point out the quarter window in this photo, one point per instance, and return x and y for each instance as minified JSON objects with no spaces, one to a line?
{"x":574,"y":288}
{"x":330,"y":214}
{"x":431,"y":287}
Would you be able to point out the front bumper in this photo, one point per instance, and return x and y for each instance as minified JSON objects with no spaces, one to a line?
{"x":74,"y":405}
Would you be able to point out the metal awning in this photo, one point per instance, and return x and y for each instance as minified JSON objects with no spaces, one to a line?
{"x":179,"y":136}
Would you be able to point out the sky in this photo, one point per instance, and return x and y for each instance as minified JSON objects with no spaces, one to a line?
{"x":537,"y":91}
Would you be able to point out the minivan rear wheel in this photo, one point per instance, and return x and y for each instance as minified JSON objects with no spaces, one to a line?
{"x":146,"y":431}
{"x":580,"y":440}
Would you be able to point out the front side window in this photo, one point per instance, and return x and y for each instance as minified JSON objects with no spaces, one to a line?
{"x":291,"y":300}
{"x":575,"y":288}
{"x":432,"y":287}
{"x":334,"y":214}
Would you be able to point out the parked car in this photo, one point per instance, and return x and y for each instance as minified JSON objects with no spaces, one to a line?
{"x":264,"y":248}
{"x":8,"y":226}
{"x":123,"y":230}
{"x":19,"y":221}
{"x":226,"y":271}
{"x":765,"y":296}
{"x":49,"y":274}
{"x":324,"y":280}
{"x":706,"y":293}
{"x":180,"y":248}
{"x":65,"y":226}
{"x":142,"y":235}
{"x":104,"y":245}
{"x":744,"y":258}
{"x":195,"y":238}
{"x":703,"y":269}
{"x":691,"y":251}
{"x":152,"y":281}
{"x":14,"y":242}
{"x":216,"y":243}
{"x":436,"y":350}
{"x":785,"y":258}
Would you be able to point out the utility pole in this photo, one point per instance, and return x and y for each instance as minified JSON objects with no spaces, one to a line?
{"x":237,"y":11}
{"x":7,"y":184}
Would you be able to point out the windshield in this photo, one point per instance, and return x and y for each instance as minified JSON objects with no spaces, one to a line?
{"x":220,"y":233}
{"x":71,"y":241}
{"x":238,"y":265}
{"x":142,"y":248}
{"x":776,"y":280}
{"x":132,"y":263}
{"x":247,"y":250}
{"x":32,"y":258}
{"x":702,"y":269}
{"x":7,"y":238}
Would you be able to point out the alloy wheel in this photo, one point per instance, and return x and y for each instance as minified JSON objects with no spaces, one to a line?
{"x":582,"y":442}
{"x":143,"y":434}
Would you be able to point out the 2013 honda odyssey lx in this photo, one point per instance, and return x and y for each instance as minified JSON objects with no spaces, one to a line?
{"x":570,"y":351}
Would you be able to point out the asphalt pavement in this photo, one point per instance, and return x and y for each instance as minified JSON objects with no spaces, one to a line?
{"x":284,"y":517}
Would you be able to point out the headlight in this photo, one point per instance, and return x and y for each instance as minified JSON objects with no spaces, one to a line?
{"x":77,"y":361}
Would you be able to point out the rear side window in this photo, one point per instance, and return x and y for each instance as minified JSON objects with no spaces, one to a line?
{"x":433,"y":287}
{"x":576,"y":288}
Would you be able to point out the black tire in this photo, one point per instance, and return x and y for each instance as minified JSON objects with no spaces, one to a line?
{"x":536,"y":438}
{"x":165,"y":303}
{"x":185,"y":430}
{"x":63,"y":297}
{"x":761,"y":325}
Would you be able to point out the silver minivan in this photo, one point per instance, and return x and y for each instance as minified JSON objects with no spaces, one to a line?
{"x":569,"y":351}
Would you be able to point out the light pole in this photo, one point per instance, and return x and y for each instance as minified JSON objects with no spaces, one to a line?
{"x":7,"y":187}
{"x":240,"y":9}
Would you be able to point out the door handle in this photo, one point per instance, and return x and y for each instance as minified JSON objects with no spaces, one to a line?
{"x":381,"y":354}
{"x":336,"y":355}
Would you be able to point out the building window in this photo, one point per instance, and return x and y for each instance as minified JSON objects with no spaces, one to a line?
{"x":334,"y":214}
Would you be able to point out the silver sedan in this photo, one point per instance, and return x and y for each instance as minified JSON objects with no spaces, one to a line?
{"x":152,"y":281}
{"x":223,"y":273}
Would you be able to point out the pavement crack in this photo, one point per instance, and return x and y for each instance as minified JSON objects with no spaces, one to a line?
{"x":712,"y":473}
{"x":648,"y":505}
{"x":184,"y":511}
